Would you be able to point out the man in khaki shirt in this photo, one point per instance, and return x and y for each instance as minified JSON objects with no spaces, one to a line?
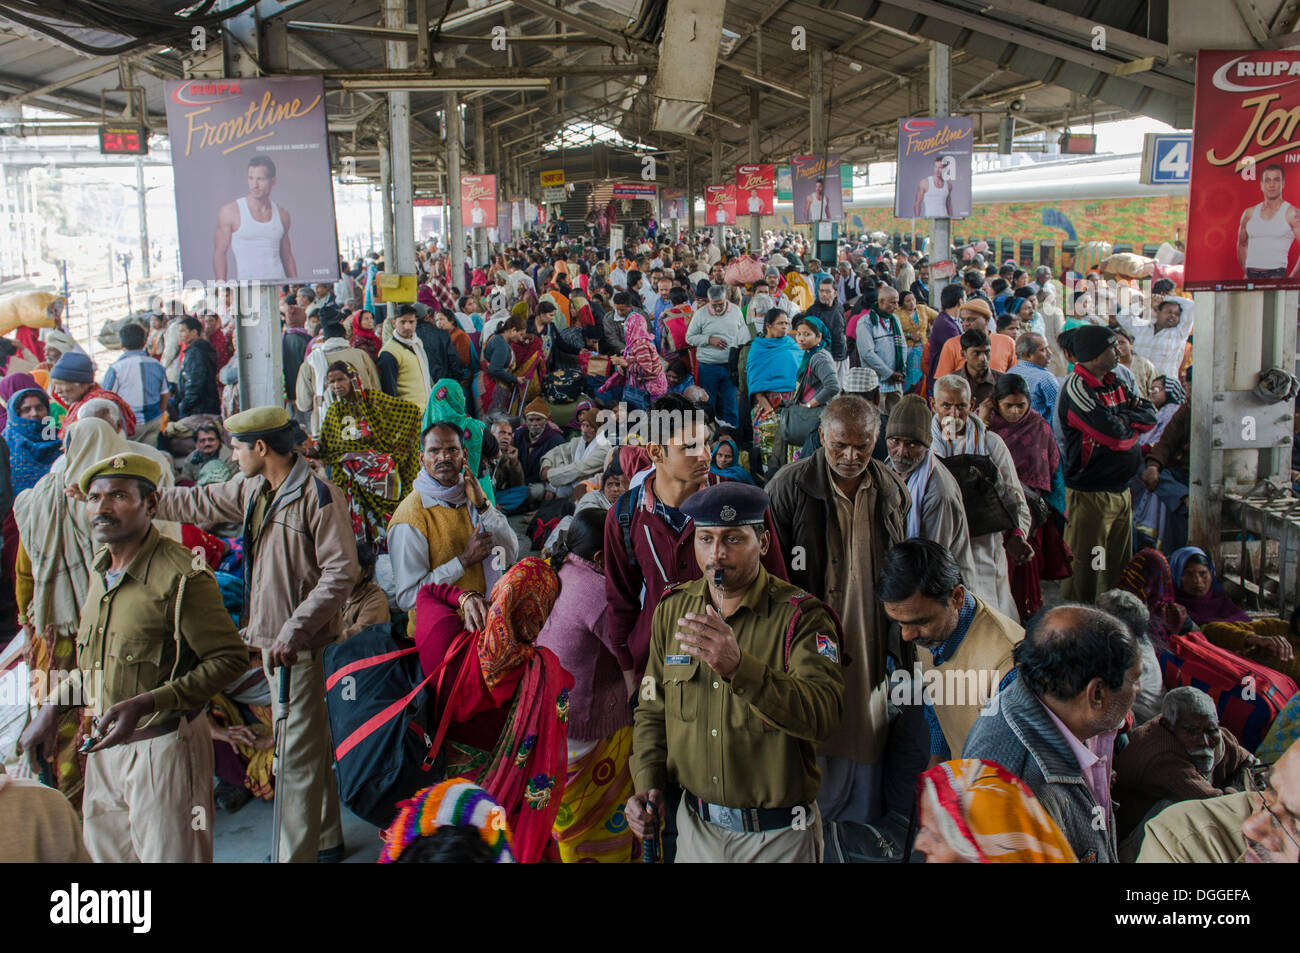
{"x":155,"y":644}
{"x":743,"y":679}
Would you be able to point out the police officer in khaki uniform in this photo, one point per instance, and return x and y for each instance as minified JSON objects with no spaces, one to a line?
{"x":300,"y":567}
{"x":743,"y":679}
{"x":155,"y":644}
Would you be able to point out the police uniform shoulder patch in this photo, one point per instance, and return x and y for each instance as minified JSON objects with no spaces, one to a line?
{"x":826,"y":646}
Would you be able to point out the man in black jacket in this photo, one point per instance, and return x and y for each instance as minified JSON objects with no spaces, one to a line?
{"x":444,"y":362}
{"x":827,"y":309}
{"x":198,"y":383}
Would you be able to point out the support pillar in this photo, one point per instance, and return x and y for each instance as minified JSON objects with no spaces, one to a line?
{"x":755,"y":134}
{"x":719,"y":231}
{"x":257,"y":333}
{"x":480,"y":166}
{"x":386,"y":200}
{"x":940,"y":93}
{"x":142,"y":195}
{"x":455,"y":231}
{"x":690,"y":195}
{"x":397,"y":56}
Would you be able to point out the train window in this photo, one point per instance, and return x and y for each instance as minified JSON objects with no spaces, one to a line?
{"x":1122,"y":248}
{"x":1026,"y":253}
{"x":1007,"y":251}
{"x":1149,"y":250}
{"x":1047,"y":254}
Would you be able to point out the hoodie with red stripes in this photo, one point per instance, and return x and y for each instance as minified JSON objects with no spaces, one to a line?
{"x":1103,"y":424}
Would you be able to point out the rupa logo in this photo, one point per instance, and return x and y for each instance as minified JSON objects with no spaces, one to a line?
{"x":76,"y":906}
{"x":1248,"y":67}
{"x":202,"y":92}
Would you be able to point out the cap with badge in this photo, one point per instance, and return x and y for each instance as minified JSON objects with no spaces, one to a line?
{"x":250,"y":426}
{"x":727,"y":504}
{"x":133,"y":465}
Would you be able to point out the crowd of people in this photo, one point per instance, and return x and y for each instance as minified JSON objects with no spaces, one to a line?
{"x":887,"y":573}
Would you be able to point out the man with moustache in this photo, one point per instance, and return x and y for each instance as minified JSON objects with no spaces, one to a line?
{"x":746,"y":676}
{"x":155,"y":644}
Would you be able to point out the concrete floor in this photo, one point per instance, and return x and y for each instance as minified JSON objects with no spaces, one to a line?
{"x":245,"y":836}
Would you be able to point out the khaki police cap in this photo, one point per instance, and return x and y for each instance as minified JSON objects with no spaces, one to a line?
{"x":252,"y":425}
{"x":122,"y":465}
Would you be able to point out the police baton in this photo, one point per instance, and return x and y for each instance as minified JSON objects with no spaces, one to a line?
{"x":281,"y":723}
{"x":650,"y":845}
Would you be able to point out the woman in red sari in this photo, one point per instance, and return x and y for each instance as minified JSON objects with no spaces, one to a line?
{"x":503,"y":700}
{"x":1033,"y":448}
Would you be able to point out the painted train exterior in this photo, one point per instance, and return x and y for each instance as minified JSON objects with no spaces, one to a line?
{"x":1068,"y":202}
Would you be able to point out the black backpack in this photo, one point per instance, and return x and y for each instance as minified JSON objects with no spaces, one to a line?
{"x":563,"y":385}
{"x":380,"y":706}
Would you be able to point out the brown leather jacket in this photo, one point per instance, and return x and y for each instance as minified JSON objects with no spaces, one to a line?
{"x":303,"y":567}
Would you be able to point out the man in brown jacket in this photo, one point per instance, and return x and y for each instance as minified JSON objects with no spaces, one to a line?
{"x":1182,"y":755}
{"x":300,"y":567}
{"x":837,"y":513}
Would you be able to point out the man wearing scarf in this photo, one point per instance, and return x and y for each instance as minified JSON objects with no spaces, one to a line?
{"x":566,"y":466}
{"x":956,"y":430}
{"x":1103,"y":424}
{"x":445,"y":531}
{"x":882,"y":347}
{"x":937,"y":512}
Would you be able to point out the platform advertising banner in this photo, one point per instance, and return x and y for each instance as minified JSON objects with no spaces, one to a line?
{"x":813,"y":200}
{"x":754,"y":187}
{"x":673,"y":202}
{"x":934,"y":167}
{"x":254,"y":198}
{"x":720,"y":204}
{"x":478,"y":201}
{"x":1244,"y":204}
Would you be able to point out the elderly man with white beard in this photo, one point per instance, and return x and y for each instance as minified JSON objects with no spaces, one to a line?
{"x":937,"y":513}
{"x":956,"y":431}
{"x":1183,"y":755}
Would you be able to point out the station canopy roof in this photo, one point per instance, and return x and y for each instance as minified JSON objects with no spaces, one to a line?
{"x":593,"y":67}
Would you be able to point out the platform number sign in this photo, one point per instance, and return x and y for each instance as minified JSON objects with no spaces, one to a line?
{"x":1167,"y":159}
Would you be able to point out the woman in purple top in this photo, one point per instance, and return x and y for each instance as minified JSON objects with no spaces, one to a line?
{"x":591,"y":825}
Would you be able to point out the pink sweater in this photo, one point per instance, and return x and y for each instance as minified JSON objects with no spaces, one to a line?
{"x":576,"y":632}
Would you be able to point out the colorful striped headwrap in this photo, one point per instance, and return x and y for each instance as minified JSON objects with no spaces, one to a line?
{"x":455,"y":802}
{"x":989,"y":816}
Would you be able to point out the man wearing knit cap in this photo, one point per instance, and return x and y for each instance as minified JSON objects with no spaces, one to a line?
{"x":158,"y":644}
{"x":938,"y":513}
{"x":976,"y":314}
{"x":536,"y":438}
{"x":1102,"y":422}
{"x":72,"y":379}
{"x":300,"y":567}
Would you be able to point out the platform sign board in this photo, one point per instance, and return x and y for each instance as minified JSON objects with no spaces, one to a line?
{"x":478,"y":201}
{"x":1166,"y":158}
{"x":1244,"y":198}
{"x":553,"y":177}
{"x":254,"y":197}
{"x":553,"y":194}
{"x":934,"y":167}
